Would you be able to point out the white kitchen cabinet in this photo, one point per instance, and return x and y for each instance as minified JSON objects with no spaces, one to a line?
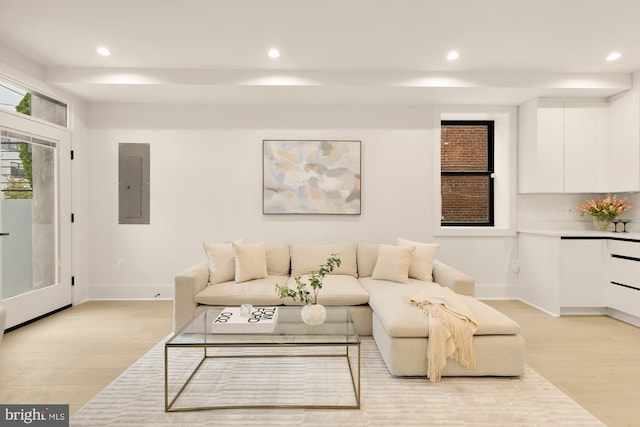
{"x":624,"y":152}
{"x":562,"y":275}
{"x":591,"y":273}
{"x":586,"y":147}
{"x":564,"y":147}
{"x":582,"y":275}
{"x":622,"y":290}
{"x":538,"y":279}
{"x":541,"y":147}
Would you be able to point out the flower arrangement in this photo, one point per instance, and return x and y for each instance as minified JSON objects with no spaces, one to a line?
{"x":608,"y":209}
{"x":315,"y":281}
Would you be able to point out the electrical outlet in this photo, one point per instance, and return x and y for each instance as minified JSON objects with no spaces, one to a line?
{"x":515,"y":266}
{"x":570,"y":211}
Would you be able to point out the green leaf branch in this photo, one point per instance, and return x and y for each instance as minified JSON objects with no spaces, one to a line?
{"x":301,"y":292}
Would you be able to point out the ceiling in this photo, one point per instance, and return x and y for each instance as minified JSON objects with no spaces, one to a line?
{"x":371,"y":52}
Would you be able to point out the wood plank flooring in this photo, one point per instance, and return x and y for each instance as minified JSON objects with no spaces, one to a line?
{"x":593,"y":359}
{"x":72,"y":355}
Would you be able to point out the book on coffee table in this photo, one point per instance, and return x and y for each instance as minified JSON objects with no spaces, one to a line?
{"x":260,"y":320}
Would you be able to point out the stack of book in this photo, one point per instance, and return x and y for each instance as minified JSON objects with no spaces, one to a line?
{"x":259,"y":320}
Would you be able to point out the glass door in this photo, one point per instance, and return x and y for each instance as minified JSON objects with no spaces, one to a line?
{"x":35,"y":236}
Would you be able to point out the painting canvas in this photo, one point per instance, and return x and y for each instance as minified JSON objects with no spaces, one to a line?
{"x":311,"y":177}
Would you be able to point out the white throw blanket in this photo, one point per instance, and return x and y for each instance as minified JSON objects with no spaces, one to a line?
{"x":451,"y":329}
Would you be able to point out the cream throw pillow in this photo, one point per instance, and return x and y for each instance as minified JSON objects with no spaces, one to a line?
{"x":221,"y":262}
{"x":250,"y":261}
{"x":421,"y":267}
{"x":278,"y":259}
{"x":393,"y":263}
{"x":308,"y":258}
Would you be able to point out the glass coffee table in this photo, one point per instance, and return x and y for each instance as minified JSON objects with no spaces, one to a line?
{"x":295,"y":366}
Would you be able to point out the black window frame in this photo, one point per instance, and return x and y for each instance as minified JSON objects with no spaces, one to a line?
{"x":490,"y":173}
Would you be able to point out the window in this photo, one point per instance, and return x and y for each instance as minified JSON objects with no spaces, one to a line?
{"x":30,"y":103}
{"x":467,"y":173}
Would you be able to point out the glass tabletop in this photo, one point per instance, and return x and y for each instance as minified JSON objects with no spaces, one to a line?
{"x":289,"y":329}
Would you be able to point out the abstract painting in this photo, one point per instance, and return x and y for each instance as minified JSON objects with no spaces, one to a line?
{"x":311,"y":177}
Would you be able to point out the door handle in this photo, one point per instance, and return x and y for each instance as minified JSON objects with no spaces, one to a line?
{"x":4,"y":234}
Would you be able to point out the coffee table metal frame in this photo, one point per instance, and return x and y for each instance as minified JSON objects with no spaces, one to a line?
{"x":338,"y":332}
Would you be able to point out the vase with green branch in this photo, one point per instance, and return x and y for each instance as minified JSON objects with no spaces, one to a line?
{"x":307,"y":293}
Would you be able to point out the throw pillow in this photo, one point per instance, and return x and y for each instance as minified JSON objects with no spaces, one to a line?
{"x":307,"y":258}
{"x":278,"y":259}
{"x":422,"y":260}
{"x":393,"y":263}
{"x":250,"y":261}
{"x":367,"y":256}
{"x":221,"y":262}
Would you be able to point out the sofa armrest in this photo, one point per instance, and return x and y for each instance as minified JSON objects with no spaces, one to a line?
{"x":186,"y":285}
{"x":459,"y":282}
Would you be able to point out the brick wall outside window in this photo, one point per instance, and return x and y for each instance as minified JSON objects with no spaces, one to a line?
{"x":465,"y":198}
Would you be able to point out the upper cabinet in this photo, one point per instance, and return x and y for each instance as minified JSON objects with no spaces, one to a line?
{"x":574,"y":147}
{"x":541,"y":147}
{"x":586,"y":147}
{"x":624,"y":159}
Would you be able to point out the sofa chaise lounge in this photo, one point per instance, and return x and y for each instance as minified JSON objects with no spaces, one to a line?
{"x":374,"y":280}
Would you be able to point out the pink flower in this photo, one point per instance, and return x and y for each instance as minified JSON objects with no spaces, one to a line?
{"x":608,"y":208}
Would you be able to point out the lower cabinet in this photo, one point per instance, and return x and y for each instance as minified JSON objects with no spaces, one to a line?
{"x":562,"y":275}
{"x":622,"y":290}
{"x":580,"y":275}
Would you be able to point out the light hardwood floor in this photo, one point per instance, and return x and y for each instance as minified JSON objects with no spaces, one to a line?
{"x":72,"y":355}
{"x":69,"y":357}
{"x":592,"y":359}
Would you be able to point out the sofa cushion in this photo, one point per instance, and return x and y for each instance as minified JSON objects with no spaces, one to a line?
{"x":337,"y":290}
{"x":375,"y":285}
{"x":306,"y":259}
{"x":278,"y":259}
{"x":221,"y":261}
{"x":250,"y":261}
{"x":399,"y":318}
{"x":422,"y":260}
{"x":393,"y":263}
{"x":367,"y":256}
{"x":256,"y":292}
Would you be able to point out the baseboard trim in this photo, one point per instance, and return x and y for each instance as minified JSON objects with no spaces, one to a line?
{"x":583,"y":311}
{"x":544,"y":310}
{"x":625,"y":317}
{"x":106,"y":292}
{"x":28,"y":322}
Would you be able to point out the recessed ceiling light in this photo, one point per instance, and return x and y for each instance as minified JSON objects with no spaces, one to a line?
{"x":614,"y":56}
{"x":103,"y":51}
{"x":453,"y":55}
{"x":274,"y":53}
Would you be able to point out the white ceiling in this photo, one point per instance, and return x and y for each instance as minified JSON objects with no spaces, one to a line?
{"x":333,"y":51}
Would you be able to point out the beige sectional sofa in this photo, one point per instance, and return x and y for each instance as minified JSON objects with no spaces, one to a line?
{"x":373,"y":280}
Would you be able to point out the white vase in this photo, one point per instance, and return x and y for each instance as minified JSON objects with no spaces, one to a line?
{"x":601,"y":224}
{"x":314,"y":314}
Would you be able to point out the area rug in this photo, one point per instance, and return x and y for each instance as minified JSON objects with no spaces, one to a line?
{"x":136,"y":398}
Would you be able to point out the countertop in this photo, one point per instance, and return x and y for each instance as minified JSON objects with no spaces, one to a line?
{"x":586,"y":234}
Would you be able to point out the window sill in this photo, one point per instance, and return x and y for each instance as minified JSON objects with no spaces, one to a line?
{"x":474,"y":231}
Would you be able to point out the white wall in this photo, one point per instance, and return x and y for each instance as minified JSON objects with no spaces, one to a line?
{"x":206,"y":184}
